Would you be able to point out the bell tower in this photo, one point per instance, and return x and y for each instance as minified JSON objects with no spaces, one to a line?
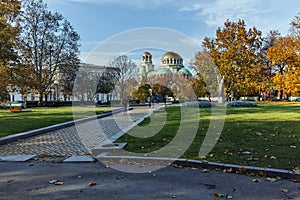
{"x":147,"y":62}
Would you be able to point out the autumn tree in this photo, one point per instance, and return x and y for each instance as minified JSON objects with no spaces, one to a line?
{"x":9,"y":10}
{"x":50,"y":45}
{"x":267,"y":85}
{"x":284,"y":56}
{"x":127,"y":71}
{"x":235,"y":52}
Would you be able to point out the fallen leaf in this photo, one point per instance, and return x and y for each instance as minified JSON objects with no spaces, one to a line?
{"x":259,"y":134}
{"x":272,"y":179}
{"x":227,"y":170}
{"x":58,"y":183}
{"x":205,"y":170}
{"x":242,"y":170}
{"x":211,"y":155}
{"x":42,"y":155}
{"x":295,"y":180}
{"x":92,"y":183}
{"x":52,"y":181}
{"x":177,"y":166}
{"x":262,"y":173}
{"x":256,"y":180}
{"x":251,"y":174}
{"x":226,"y":151}
{"x":296,"y":169}
{"x":217,"y":194}
{"x":285,"y":190}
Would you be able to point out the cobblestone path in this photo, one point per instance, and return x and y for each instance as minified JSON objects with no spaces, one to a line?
{"x":77,"y":139}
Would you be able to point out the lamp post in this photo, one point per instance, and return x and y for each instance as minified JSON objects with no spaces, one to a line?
{"x":150,"y":98}
{"x":55,"y":91}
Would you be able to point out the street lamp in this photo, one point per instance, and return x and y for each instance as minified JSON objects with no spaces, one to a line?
{"x":150,"y":99}
{"x":56,"y":90}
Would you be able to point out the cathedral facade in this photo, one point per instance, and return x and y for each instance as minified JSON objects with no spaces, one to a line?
{"x":171,"y":64}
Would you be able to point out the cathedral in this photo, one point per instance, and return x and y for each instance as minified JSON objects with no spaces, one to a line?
{"x":171,"y":64}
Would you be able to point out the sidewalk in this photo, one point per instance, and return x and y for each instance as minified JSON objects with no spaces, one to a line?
{"x":30,"y":180}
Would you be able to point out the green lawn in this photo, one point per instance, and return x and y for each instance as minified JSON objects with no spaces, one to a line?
{"x":12,"y":123}
{"x":270,"y":132}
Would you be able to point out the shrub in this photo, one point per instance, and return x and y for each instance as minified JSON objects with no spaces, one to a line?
{"x":241,"y":104}
{"x":199,"y":104}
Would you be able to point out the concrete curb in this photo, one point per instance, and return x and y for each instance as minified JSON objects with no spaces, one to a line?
{"x":39,"y":131}
{"x":230,"y":168}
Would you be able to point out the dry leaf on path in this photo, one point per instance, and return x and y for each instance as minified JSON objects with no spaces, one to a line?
{"x":92,"y":183}
{"x":285,"y":190}
{"x":59,"y":183}
{"x":217,"y":194}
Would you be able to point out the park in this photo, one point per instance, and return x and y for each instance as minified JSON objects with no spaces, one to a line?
{"x":192,"y":104}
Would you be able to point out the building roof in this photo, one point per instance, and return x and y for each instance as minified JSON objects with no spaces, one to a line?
{"x":146,"y":53}
{"x":184,"y":71}
{"x":170,"y":54}
{"x":152,"y":73}
{"x":162,"y":71}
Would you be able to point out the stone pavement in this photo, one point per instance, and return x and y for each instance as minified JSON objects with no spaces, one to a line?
{"x":76,"y":140}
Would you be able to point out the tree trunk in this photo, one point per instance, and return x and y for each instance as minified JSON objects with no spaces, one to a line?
{"x":40,"y":99}
{"x":221,"y":90}
{"x":281,"y":95}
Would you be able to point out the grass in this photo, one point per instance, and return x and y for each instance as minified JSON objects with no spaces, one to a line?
{"x":12,"y":123}
{"x":264,"y":136}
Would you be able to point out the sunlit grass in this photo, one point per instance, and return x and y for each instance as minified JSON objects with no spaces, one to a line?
{"x":12,"y":123}
{"x":265,"y":136}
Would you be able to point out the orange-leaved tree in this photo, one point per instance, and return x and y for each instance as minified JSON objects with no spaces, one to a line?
{"x":235,"y":52}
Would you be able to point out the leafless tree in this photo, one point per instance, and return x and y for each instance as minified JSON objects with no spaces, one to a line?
{"x":127,"y":71}
{"x":50,"y":45}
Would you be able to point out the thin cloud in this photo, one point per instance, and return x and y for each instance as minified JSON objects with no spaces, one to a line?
{"x":216,"y":12}
{"x":134,"y":3}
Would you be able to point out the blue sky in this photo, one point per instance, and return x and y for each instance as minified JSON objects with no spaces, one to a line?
{"x":98,"y":20}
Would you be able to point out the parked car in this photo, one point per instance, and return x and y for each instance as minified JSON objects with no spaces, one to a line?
{"x":294,"y":98}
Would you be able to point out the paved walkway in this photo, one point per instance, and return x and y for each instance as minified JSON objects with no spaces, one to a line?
{"x":75,"y":140}
{"x":30,"y":180}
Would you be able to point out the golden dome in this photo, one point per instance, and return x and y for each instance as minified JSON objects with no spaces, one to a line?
{"x":170,"y":54}
{"x":147,"y":53}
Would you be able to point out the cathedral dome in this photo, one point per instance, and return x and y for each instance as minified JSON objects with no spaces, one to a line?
{"x":147,"y":53}
{"x":171,"y":54}
{"x":171,"y":58}
{"x":184,"y":71}
{"x":163,"y":71}
{"x":152,"y":73}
